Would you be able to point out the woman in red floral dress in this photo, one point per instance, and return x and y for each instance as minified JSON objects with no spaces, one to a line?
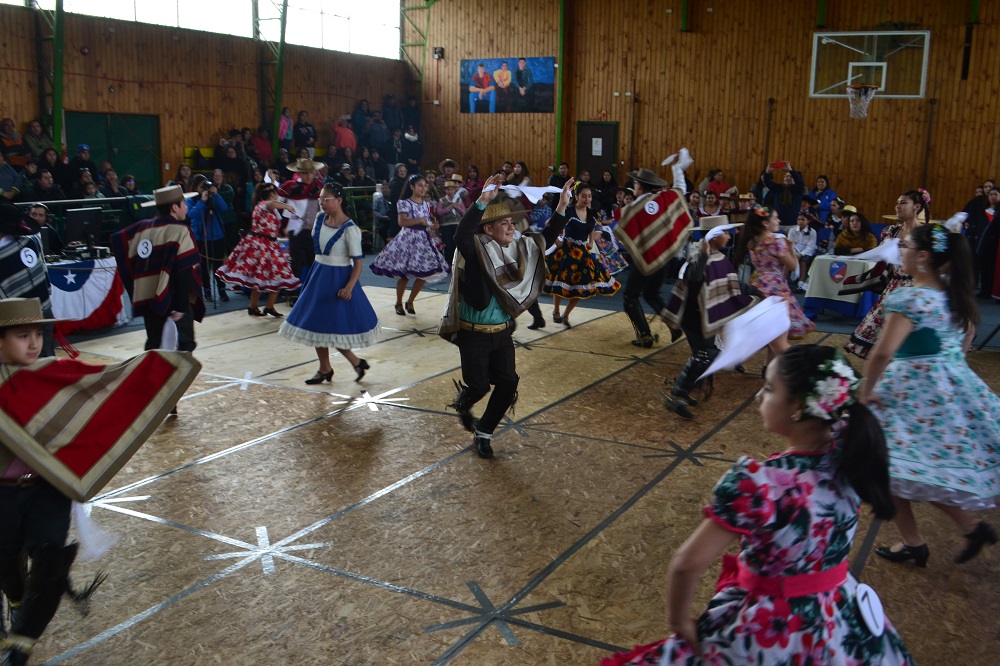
{"x":257,"y":261}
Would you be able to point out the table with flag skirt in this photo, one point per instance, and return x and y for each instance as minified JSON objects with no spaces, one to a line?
{"x":826,"y":275}
{"x":88,"y":293}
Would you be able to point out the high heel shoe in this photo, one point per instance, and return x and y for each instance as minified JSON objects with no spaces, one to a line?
{"x":361,"y":368}
{"x":565,"y":322}
{"x":273,"y":313}
{"x":977,"y":538}
{"x":919,"y":554}
{"x":400,"y":310}
{"x":409,"y":308}
{"x":255,"y":312}
{"x":556,"y":317}
{"x":320,"y":377}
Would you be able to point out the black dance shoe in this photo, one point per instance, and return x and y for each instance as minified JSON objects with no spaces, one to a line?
{"x":919,"y":554}
{"x":409,"y":308}
{"x":361,"y":368}
{"x":556,"y":317}
{"x":483,"y":448}
{"x":645,"y":341}
{"x":254,"y":312}
{"x":273,"y":313}
{"x":400,"y":310}
{"x":977,"y":538}
{"x":538,"y":323}
{"x":320,"y":377}
{"x":223,"y":296}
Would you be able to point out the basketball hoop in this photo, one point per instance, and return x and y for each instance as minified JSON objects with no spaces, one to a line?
{"x":860,"y":97}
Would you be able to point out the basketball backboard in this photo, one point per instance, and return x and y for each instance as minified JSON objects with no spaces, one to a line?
{"x":896,"y":62}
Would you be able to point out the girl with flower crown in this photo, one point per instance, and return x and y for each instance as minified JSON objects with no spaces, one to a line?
{"x":788,"y":597}
{"x":910,"y":206}
{"x":945,"y":447}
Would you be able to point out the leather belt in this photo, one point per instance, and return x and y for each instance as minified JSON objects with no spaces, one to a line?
{"x":23,"y":480}
{"x":264,"y":236}
{"x":486,"y":328}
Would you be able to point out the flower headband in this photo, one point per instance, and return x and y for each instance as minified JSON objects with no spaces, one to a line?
{"x":762,"y":211}
{"x":832,"y":389}
{"x":925,"y":194}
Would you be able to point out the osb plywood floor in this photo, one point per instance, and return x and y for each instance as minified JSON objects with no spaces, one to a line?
{"x":271,"y":522}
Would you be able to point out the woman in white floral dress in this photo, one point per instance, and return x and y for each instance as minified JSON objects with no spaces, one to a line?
{"x":788,"y":597}
{"x":939,"y":417}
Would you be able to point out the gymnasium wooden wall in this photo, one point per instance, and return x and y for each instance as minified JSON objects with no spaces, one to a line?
{"x":708,"y":89}
{"x":199,"y":84}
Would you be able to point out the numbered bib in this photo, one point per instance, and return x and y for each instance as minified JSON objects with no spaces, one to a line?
{"x":28,"y":257}
{"x":870,"y":607}
{"x":145,"y":248}
{"x":652,"y":207}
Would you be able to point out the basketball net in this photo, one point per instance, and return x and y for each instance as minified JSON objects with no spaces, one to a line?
{"x":860,"y":97}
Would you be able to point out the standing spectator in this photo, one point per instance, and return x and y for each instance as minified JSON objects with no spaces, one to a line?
{"x":717,"y":182}
{"x":605,"y":191}
{"x":524,"y":83}
{"x":361,"y":121}
{"x":343,"y":135}
{"x":229,"y":220}
{"x":36,"y":141}
{"x":165,"y":282}
{"x":46,"y":188}
{"x":285,"y":129}
{"x":824,"y":195}
{"x":391,"y":113}
{"x":411,"y":113}
{"x":112,"y":188}
{"x":209,"y":234}
{"x":305,"y":134}
{"x":262,"y":145}
{"x":987,"y":232}
{"x":81,"y":161}
{"x":473,"y":183}
{"x":786,"y":198}
{"x":559,"y":178}
{"x":379,"y":135}
{"x":379,"y":167}
{"x":413,"y":150}
{"x":395,"y":149}
{"x":380,"y":211}
{"x":450,"y":210}
{"x":17,"y":154}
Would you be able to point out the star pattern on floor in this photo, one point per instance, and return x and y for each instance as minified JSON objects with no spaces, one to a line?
{"x":266,"y":552}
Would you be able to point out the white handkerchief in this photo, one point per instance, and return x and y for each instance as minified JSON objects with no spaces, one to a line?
{"x":887,"y":251}
{"x":294,"y":225}
{"x":168,"y":339}
{"x":533,"y":193}
{"x":745,"y":335}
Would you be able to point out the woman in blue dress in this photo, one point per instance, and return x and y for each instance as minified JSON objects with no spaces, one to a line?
{"x":939,"y":417}
{"x":332,"y":310}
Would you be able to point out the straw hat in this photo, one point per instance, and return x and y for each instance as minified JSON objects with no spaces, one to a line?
{"x":848,"y":209}
{"x":22,"y":312}
{"x":305,"y":165}
{"x":453,"y":182}
{"x":712,"y":221}
{"x":170,"y":194}
{"x":647,"y":177}
{"x":445,"y":162}
{"x":499,"y":209}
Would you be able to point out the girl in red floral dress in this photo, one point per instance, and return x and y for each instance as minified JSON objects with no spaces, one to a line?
{"x":788,"y":597}
{"x":257,"y":261}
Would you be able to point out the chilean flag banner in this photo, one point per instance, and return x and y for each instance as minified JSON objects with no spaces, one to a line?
{"x":90,"y":294}
{"x":77,"y":424}
{"x":654,"y":228}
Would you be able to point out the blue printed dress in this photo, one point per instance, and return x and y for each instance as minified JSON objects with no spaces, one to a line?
{"x":320,"y":318}
{"x":412,"y":253}
{"x":796,"y":516}
{"x":939,"y":417}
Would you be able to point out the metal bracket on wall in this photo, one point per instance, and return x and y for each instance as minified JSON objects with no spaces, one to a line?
{"x":408,"y":23}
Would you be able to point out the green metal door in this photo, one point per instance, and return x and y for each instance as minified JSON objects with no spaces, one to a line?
{"x":130,"y":142}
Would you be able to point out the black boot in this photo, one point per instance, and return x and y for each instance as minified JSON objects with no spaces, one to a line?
{"x":482,"y":443}
{"x":463,"y":405}
{"x":634,"y":311}
{"x":676,"y":405}
{"x":47,"y":581}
